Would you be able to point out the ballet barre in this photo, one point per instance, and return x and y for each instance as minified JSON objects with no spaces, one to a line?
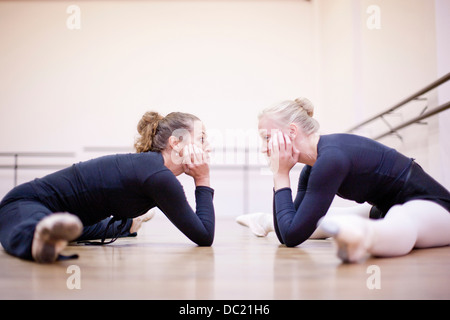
{"x":414,"y":97}
{"x":16,"y":166}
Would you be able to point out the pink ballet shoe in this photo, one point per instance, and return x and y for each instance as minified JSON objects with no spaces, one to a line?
{"x":52,"y":235}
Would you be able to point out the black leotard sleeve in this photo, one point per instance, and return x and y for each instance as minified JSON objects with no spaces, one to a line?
{"x":352,"y":167}
{"x":168,"y":194}
{"x":295,"y":221}
{"x":301,"y":190}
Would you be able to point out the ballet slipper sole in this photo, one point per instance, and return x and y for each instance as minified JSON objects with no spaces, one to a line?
{"x":350,"y":243}
{"x":52,"y":235}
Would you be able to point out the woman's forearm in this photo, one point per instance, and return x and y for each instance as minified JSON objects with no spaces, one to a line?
{"x":202,"y":181}
{"x":281,"y":181}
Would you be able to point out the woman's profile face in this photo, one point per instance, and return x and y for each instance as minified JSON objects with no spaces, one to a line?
{"x":199,"y":136}
{"x":267,"y":127}
{"x":184,"y":140}
{"x":196,"y":136}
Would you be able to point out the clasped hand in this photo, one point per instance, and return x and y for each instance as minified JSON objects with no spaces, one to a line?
{"x":196,"y":164}
{"x":282,"y":153}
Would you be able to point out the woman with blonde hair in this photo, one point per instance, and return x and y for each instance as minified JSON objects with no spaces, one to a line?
{"x":409,"y":208}
{"x":39,"y":218}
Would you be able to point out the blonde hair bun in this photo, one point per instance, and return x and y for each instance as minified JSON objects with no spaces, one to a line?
{"x":299,"y":111}
{"x":306,"y":104}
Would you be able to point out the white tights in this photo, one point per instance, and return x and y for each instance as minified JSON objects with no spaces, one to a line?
{"x":262,"y":223}
{"x":362,"y":210}
{"x":415,"y":224}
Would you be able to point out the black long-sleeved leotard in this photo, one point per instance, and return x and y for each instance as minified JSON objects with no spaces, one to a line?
{"x":350,"y":166}
{"x":124,"y":186}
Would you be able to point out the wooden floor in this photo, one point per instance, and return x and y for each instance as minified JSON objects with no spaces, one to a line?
{"x":162,"y":264}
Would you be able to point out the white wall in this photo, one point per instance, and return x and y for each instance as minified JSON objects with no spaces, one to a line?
{"x":207,"y":57}
{"x":365,"y":70}
{"x":443,"y":65}
{"x":64,"y":90}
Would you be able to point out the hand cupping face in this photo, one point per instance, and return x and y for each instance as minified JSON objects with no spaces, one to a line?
{"x":196,"y":163}
{"x":282,"y":153}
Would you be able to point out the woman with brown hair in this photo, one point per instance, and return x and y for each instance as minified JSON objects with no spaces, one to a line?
{"x":39,"y":218}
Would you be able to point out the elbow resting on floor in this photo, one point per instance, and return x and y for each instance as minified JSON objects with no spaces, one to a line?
{"x":205,"y":242}
{"x":293,"y":241}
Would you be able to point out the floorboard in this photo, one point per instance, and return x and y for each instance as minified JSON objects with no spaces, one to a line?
{"x":160,"y":263}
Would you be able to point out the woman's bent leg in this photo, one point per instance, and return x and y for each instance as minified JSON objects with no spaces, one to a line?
{"x":29,"y":230}
{"x":101,"y":230}
{"x":261,"y":223}
{"x":418,"y":223}
{"x":18,"y":222}
{"x":361,"y":210}
{"x":415,"y":224}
